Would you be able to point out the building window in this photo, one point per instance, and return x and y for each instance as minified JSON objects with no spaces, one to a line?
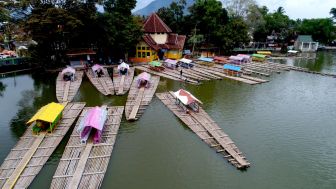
{"x":147,"y":48}
{"x":139,"y":54}
{"x":148,"y":53}
{"x":143,"y":55}
{"x":139,"y":48}
{"x":143,"y":48}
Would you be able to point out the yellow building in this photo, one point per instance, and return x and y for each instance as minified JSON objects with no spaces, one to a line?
{"x":158,"y":41}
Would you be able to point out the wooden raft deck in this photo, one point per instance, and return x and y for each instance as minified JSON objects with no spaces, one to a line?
{"x":123,"y":85}
{"x":31,"y":152}
{"x":66,"y":90}
{"x":84,"y":165}
{"x":103,"y":84}
{"x":138,"y":100}
{"x":204,"y":127}
{"x":168,"y":74}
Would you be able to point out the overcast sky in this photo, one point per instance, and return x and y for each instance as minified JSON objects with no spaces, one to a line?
{"x":294,"y":8}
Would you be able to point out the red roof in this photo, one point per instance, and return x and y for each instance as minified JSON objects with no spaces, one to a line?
{"x":154,"y":24}
{"x":174,"y":41}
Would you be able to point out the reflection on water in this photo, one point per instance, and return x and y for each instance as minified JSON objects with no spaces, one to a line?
{"x":286,"y":129}
{"x":2,"y":88}
{"x":324,"y":62}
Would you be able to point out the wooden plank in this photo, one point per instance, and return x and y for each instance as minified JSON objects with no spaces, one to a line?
{"x":77,"y":176}
{"x":103,"y":84}
{"x":254,"y":79}
{"x":127,"y":81}
{"x":147,"y":97}
{"x":218,"y":137}
{"x":66,"y":91}
{"x":24,"y":161}
{"x":137,"y":103}
{"x":121,"y":84}
{"x":168,"y":75}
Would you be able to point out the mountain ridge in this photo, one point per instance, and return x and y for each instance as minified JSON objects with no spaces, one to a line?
{"x":157,"y":4}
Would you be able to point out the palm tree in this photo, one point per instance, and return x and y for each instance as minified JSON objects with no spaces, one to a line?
{"x":333,"y":12}
{"x":280,"y":10}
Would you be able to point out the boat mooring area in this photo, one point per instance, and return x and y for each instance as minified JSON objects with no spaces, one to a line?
{"x":160,"y":131}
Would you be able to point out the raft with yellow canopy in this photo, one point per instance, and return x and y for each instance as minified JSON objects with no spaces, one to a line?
{"x":46,"y":118}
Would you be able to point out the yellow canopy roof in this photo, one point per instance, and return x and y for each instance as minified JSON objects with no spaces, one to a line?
{"x":264,"y":52}
{"x":47,"y":113}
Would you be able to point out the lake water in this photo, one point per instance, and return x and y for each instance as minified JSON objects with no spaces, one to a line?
{"x":286,"y":128}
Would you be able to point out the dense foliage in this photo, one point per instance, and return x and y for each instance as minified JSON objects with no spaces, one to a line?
{"x":59,"y":26}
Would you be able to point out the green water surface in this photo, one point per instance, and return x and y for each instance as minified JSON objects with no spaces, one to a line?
{"x":286,"y":128}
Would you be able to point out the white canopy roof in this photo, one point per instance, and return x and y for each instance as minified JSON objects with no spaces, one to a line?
{"x":185,"y":97}
{"x":184,"y":60}
{"x":123,"y":65}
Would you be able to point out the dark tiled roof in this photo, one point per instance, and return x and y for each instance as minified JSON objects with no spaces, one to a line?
{"x":154,"y":24}
{"x":174,"y":41}
{"x":172,"y":38}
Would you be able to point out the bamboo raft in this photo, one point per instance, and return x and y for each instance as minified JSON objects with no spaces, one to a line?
{"x":138,"y":99}
{"x":103,"y":84}
{"x":84,"y":165}
{"x":167,"y":74}
{"x":66,"y":90}
{"x":245,"y":71}
{"x":244,"y":76}
{"x":31,"y":152}
{"x":123,"y":83}
{"x":220,"y":72}
{"x":204,"y":127}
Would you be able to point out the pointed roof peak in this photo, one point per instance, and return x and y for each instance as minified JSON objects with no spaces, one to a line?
{"x":154,"y":24}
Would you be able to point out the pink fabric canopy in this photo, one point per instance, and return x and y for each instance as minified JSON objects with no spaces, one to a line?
{"x":144,"y":76}
{"x":170,"y":61}
{"x":244,"y":56}
{"x":68,"y":70}
{"x":237,"y":58}
{"x":93,"y":121}
{"x":97,"y":67}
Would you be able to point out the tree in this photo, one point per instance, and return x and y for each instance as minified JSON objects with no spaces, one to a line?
{"x":212,"y":21}
{"x":255,"y":20}
{"x":122,"y":30}
{"x":234,"y":34}
{"x":333,"y":13}
{"x":239,"y":8}
{"x":280,"y":10}
{"x":4,"y":12}
{"x":208,"y":15}
{"x":48,"y":26}
{"x":173,"y":15}
{"x":322,"y":30}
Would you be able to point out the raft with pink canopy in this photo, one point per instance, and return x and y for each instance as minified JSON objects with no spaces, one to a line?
{"x":123,"y":68}
{"x":68,"y":73}
{"x":98,"y":70}
{"x":68,"y":70}
{"x":92,"y":122}
{"x":143,"y":79}
{"x":97,"y":67}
